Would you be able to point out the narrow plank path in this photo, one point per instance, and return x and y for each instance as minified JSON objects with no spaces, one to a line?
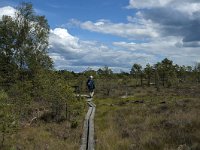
{"x":87,"y":141}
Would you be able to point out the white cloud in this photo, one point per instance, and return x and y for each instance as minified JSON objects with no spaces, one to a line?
{"x":147,"y":4}
{"x":131,"y":45}
{"x":70,"y":52}
{"x":186,"y":6}
{"x":7,"y":10}
{"x":171,"y":47}
{"x":189,"y":8}
{"x":172,"y":17}
{"x":142,"y":30}
{"x":162,"y":46}
{"x":59,"y":37}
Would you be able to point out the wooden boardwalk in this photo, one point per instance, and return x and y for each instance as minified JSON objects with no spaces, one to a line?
{"x":87,"y":142}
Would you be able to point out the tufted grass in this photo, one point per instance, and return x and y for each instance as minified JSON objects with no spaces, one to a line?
{"x":150,"y":121}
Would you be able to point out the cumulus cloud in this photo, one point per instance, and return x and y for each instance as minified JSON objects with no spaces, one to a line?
{"x":172,"y":47}
{"x":180,"y":18}
{"x":60,"y":37}
{"x":7,"y":10}
{"x":181,"y":5}
{"x":69,"y":52}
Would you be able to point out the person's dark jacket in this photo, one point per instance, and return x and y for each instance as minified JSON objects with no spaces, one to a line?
{"x":90,"y":84}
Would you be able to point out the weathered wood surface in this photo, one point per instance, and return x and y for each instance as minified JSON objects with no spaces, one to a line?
{"x":88,"y":128}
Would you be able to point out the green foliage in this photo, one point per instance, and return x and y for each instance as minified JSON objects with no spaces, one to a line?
{"x":52,"y":89}
{"x":26,"y":68}
{"x":32,"y":39}
{"x":67,"y":75}
{"x":89,"y":72}
{"x":8,"y":66}
{"x":33,"y":88}
{"x":3,"y":95}
{"x":105,"y":71}
{"x":8,"y":120}
{"x":137,"y":72}
{"x":136,"y":69}
{"x":21,"y":96}
{"x":23,"y":44}
{"x":149,"y":73}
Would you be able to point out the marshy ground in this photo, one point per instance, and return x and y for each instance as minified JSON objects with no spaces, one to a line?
{"x":146,"y":119}
{"x":149,"y":120}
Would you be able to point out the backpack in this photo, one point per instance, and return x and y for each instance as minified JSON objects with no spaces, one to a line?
{"x":90,"y":83}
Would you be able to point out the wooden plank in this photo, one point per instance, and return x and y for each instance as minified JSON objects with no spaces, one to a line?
{"x":87,"y":141}
{"x":91,"y":131}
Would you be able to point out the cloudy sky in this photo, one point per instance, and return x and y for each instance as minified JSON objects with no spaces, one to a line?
{"x":118,"y":33}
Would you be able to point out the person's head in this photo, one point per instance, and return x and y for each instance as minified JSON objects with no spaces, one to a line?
{"x":91,"y":77}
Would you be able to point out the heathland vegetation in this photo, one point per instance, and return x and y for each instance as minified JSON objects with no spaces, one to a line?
{"x":153,"y":107}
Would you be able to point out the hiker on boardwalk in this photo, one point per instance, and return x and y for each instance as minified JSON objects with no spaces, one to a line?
{"x":91,"y":86}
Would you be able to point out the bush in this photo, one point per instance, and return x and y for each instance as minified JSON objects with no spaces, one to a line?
{"x":8,"y":119}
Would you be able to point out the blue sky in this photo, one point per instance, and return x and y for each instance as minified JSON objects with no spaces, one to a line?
{"x":118,"y":33}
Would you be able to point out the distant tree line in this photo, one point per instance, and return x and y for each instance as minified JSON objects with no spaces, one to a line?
{"x":164,"y":73}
